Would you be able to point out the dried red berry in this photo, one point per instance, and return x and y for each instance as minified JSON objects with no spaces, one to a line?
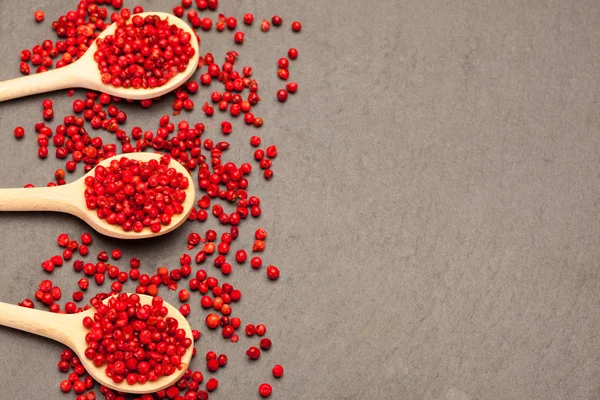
{"x":38,"y":15}
{"x":19,"y":132}
{"x":265,"y":25}
{"x":212,"y":384}
{"x":253,"y":353}
{"x":265,"y":390}
{"x":239,"y":37}
{"x":292,"y":87}
{"x":277,"y":20}
{"x":282,"y":95}
{"x":277,"y":371}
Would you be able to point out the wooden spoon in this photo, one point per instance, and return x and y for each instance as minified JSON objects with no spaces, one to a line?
{"x":70,"y":199}
{"x":84,"y":73}
{"x":69,"y":330}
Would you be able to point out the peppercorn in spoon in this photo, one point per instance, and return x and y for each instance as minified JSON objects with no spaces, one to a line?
{"x":151,"y":191}
{"x":85,"y":73}
{"x":69,"y":329}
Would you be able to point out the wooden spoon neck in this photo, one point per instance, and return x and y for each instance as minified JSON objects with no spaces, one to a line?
{"x":58,"y":198}
{"x":56,"y":79}
{"x":57,"y":327}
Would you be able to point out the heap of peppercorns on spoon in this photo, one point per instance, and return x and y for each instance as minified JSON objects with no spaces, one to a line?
{"x":129,"y":69}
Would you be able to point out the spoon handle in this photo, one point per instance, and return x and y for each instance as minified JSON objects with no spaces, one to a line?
{"x":57,"y":198}
{"x":60,"y":78}
{"x":58,"y":327}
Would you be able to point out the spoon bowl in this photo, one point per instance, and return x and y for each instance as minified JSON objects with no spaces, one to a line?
{"x":84,"y":73}
{"x":69,"y":330}
{"x":70,"y":199}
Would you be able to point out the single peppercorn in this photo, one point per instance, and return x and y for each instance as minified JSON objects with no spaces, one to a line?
{"x":282,"y":95}
{"x":239,"y":37}
{"x":277,"y":20}
{"x":292,"y":87}
{"x":265,"y":390}
{"x":283,"y":73}
{"x":277,"y":371}
{"x":253,"y":353}
{"x":39,"y":16}
{"x":19,"y":132}
{"x":272,"y":272}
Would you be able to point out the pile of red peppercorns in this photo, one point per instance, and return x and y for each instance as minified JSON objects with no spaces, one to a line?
{"x":139,"y":343}
{"x":145,"y":53}
{"x":223,"y":184}
{"x":136,"y":194}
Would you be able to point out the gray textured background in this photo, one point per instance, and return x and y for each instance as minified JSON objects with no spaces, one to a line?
{"x":434,"y":213}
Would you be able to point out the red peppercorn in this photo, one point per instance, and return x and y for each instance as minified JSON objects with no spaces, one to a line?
{"x":248,"y":18}
{"x":185,"y":309}
{"x":19,"y":132}
{"x":43,"y":152}
{"x":259,"y":245}
{"x":231,"y":23}
{"x":256,"y":262}
{"x":25,"y":55}
{"x":38,"y":15}
{"x":255,"y":141}
{"x":212,"y":384}
{"x":283,"y":73}
{"x":260,"y":234}
{"x":291,"y":87}
{"x":206,"y":24}
{"x":296,"y":26}
{"x":261,"y":329}
{"x":293,"y":53}
{"x":86,"y":238}
{"x":265,"y":344}
{"x":226,"y":269}
{"x":212,"y":321}
{"x":277,"y":371}
{"x":283,"y":63}
{"x":277,"y":20}
{"x":179,"y":11}
{"x":77,"y":296}
{"x":239,"y":37}
{"x":184,"y":295}
{"x":272,"y":272}
{"x":265,"y":390}
{"x":212,"y":365}
{"x":265,"y":25}
{"x":259,"y":154}
{"x":226,"y":127}
{"x":222,"y":360}
{"x":253,"y":353}
{"x":66,"y":386}
{"x":241,"y":256}
{"x":282,"y":95}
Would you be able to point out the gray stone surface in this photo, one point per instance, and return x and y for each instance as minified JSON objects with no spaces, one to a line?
{"x":434,"y":211}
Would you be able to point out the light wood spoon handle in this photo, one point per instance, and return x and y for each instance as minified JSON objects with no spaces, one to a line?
{"x":57,"y":198}
{"x":54,"y":326}
{"x":56,"y":79}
